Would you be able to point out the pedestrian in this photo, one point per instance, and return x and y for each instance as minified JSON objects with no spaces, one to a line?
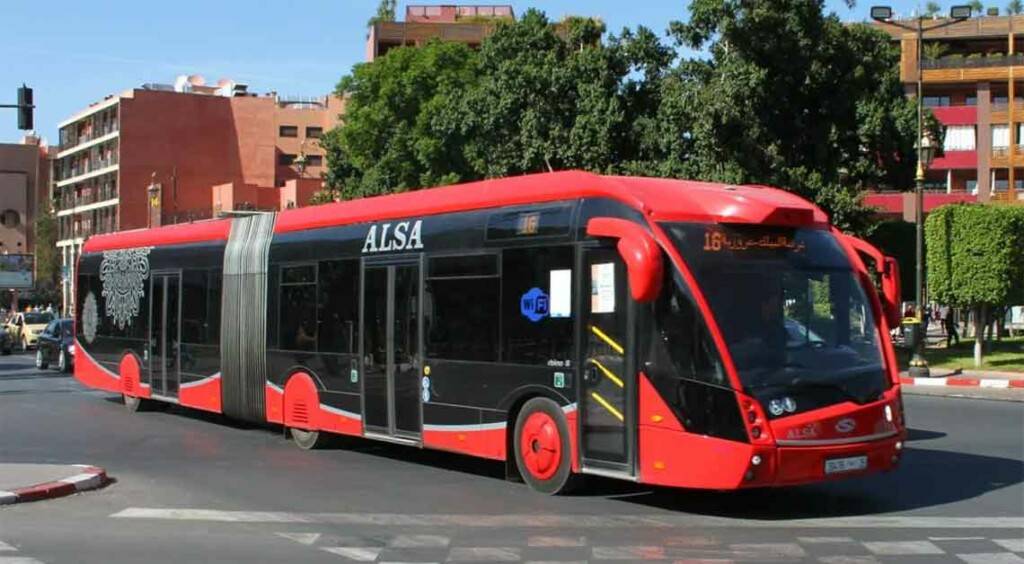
{"x":950,"y":323}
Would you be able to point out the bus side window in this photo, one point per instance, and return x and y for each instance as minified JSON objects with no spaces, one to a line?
{"x":461,"y":308}
{"x":684,"y":337}
{"x":338,"y":306}
{"x":298,"y":308}
{"x":536,"y":320}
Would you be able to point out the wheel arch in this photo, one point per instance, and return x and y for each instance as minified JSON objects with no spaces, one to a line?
{"x":513,"y":405}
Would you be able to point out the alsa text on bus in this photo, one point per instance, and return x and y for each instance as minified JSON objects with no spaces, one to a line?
{"x":401,"y":238}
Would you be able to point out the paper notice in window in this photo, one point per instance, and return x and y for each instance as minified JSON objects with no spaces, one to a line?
{"x":561,"y":293}
{"x":602,"y":288}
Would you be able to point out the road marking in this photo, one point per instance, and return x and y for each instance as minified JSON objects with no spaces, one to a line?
{"x":955,"y":538}
{"x":419,"y":541}
{"x":569,"y":521}
{"x":1013,"y":545}
{"x":19,"y":560}
{"x":4,"y":547}
{"x":848,"y":560}
{"x":483,"y":554}
{"x":301,"y":538}
{"x":559,"y":542}
{"x":354,"y":553}
{"x":902,"y":548}
{"x":823,"y":540}
{"x":991,"y":558}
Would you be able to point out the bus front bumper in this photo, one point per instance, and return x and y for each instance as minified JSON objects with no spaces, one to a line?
{"x":806,"y":464}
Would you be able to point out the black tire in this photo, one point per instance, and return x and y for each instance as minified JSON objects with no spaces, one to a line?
{"x":40,"y":363}
{"x":561,"y":480}
{"x":6,"y":351}
{"x":136,"y":404}
{"x":309,"y":440}
{"x":62,"y":362}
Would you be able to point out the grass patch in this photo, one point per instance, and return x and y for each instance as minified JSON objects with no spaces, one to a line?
{"x":1006,"y":355}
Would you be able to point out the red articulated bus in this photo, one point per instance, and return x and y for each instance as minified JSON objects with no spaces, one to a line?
{"x":662,"y":331}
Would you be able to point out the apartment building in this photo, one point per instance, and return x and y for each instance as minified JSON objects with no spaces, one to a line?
{"x":152,"y":155}
{"x":459,"y":23}
{"x":24,"y":186}
{"x":972,"y":74}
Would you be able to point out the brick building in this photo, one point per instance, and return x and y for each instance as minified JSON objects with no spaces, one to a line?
{"x":972,"y":77}
{"x":153,"y":155}
{"x":463,"y":24}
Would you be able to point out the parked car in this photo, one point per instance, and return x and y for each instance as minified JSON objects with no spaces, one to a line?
{"x":24,"y":327}
{"x":56,"y":345}
{"x":6,"y":345}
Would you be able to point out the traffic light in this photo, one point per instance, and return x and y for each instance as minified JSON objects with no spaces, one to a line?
{"x":24,"y":107}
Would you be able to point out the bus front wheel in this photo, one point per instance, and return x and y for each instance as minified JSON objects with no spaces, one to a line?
{"x":135,"y":404}
{"x":542,"y":449}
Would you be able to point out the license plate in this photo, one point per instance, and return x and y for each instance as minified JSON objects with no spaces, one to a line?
{"x":851,"y":464}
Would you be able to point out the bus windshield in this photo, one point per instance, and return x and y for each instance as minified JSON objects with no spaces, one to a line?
{"x":795,"y":319}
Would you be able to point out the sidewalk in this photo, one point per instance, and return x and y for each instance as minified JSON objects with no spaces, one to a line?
{"x":32,"y":482}
{"x":966,"y":378}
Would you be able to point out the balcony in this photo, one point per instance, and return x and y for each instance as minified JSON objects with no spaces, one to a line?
{"x":973,"y":62}
{"x":80,"y":173}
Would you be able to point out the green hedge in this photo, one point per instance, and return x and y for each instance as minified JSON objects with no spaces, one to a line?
{"x":975,"y":255}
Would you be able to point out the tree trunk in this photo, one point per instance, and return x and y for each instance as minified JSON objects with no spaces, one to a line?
{"x":979,"y":332}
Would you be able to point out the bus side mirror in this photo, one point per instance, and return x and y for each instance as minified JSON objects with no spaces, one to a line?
{"x":638,"y":250}
{"x":892,"y":291}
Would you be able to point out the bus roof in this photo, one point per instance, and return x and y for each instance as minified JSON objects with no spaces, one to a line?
{"x":657,"y":198}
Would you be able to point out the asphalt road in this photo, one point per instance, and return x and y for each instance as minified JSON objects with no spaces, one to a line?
{"x":197,"y":488}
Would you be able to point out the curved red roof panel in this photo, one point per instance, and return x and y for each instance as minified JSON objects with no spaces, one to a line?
{"x":658,"y":198}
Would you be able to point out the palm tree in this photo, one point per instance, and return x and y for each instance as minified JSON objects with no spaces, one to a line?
{"x":932,"y":9}
{"x":976,"y":6}
{"x":1014,"y":8}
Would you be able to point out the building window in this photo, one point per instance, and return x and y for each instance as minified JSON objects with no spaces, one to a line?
{"x":314,"y":132}
{"x":536,"y":298}
{"x":314,"y":160}
{"x":936,"y":101}
{"x":285,"y":159}
{"x":461,"y":308}
{"x":288,"y":131}
{"x":959,"y":138}
{"x":1000,"y":136}
{"x":971,"y":101}
{"x":10,"y":218}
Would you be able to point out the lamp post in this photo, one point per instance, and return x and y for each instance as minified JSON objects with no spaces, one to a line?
{"x":925,"y":153}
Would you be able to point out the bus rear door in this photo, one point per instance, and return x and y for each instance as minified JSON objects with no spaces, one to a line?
{"x":165,"y":333}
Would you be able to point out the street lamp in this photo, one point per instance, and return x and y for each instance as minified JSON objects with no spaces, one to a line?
{"x":925,"y":153}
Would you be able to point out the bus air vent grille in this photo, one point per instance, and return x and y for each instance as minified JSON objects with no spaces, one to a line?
{"x":299,"y":413}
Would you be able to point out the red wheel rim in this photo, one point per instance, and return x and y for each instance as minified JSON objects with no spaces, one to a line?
{"x":541,"y":445}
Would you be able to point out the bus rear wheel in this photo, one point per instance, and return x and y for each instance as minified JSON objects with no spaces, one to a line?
{"x":135,"y":404}
{"x":542,"y":449}
{"x":309,"y":440}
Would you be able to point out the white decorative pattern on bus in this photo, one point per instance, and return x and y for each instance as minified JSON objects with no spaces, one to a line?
{"x":90,"y":318}
{"x":123,"y":273}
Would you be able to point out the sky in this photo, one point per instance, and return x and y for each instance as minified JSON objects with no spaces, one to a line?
{"x":73,"y":53}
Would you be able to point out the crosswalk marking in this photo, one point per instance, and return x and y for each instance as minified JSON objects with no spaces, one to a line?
{"x":359,"y":554}
{"x":302,"y":538}
{"x":903,"y":548}
{"x":991,"y":558}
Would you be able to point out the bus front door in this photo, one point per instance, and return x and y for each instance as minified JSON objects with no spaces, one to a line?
{"x":391,"y":350}
{"x":607,"y":390}
{"x":165,"y":333}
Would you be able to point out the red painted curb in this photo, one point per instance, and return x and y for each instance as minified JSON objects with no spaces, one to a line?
{"x":89,"y":478}
{"x":963,"y":382}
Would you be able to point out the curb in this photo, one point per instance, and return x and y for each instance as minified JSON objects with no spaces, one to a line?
{"x":90,"y":478}
{"x":963,"y":382}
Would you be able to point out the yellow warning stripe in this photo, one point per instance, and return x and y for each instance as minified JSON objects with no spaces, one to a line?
{"x":608,"y":340}
{"x":611,"y":375}
{"x":608,"y":406}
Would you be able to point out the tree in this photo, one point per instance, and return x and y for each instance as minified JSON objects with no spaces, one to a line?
{"x":932,"y":9}
{"x":1015,"y":7}
{"x":385,"y":12}
{"x":791,"y":97}
{"x":47,"y":259}
{"x":387,"y":140}
{"x":976,"y":260}
{"x":976,"y":6}
{"x":934,"y":49}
